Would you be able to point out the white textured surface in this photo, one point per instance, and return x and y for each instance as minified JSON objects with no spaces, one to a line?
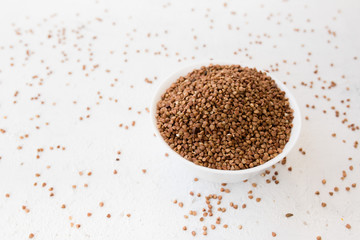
{"x":91,"y":144}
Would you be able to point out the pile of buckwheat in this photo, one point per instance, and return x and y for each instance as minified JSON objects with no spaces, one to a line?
{"x":225,"y":117}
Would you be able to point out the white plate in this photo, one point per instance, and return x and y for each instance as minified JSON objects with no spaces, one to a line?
{"x":216,"y":175}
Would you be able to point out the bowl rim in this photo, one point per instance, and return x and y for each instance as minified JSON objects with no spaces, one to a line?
{"x":165,"y":84}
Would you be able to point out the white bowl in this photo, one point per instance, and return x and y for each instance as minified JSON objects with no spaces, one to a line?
{"x":216,"y":175}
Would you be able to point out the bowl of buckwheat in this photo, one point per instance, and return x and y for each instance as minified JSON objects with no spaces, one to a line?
{"x":225,"y":122}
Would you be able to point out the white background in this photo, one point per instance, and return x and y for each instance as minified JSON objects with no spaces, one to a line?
{"x":92,"y":144}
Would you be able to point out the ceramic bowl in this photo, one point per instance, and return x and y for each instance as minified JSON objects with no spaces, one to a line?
{"x":216,"y":175}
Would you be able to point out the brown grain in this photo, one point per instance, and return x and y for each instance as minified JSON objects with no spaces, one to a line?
{"x":225,"y":117}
